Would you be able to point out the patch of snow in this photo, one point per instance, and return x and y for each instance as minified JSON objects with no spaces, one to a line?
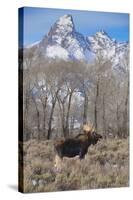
{"x":78,"y":54}
{"x":57,"y":39}
{"x":57,"y":51}
{"x":34,"y":182}
{"x":65,"y":20}
{"x":77,"y":124}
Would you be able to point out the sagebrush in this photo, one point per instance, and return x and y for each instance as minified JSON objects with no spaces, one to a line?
{"x":105,"y":165}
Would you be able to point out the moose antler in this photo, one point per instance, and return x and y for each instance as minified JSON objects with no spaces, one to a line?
{"x":93,"y":128}
{"x":88,"y":127}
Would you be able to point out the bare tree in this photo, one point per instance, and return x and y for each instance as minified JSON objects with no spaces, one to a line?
{"x":68,"y":94}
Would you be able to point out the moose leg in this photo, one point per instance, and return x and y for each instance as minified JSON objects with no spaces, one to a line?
{"x":82,"y":153}
{"x":58,"y":162}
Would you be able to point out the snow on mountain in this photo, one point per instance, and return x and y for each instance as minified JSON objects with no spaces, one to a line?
{"x":64,"y":42}
{"x":57,"y":51}
{"x":108,"y":48}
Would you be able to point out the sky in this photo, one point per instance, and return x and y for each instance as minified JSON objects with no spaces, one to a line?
{"x":37,"y":23}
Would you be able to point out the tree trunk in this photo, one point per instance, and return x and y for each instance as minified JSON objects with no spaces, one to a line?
{"x":44,"y":105}
{"x":96,"y":105}
{"x":51,"y":115}
{"x":85,"y":109}
{"x":117,"y":120}
{"x":104,"y":119}
{"x":38,"y":118}
{"x":50,"y":120}
{"x":125,"y":114}
{"x":62,"y":115}
{"x":26,"y":114}
{"x":66,"y":131}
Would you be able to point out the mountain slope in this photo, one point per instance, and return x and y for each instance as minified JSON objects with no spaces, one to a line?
{"x":101,"y":43}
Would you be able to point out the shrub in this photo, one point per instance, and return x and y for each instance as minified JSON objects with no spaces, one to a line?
{"x":105,"y":165}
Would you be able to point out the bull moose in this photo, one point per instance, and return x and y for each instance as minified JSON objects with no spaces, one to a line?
{"x":77,"y":146}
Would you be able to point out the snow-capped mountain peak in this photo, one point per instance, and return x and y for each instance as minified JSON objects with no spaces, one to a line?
{"x":63,"y":27}
{"x":102,"y":33}
{"x":100,"y":40}
{"x":66,"y":21}
{"x":108,"y":48}
{"x":64,"y":42}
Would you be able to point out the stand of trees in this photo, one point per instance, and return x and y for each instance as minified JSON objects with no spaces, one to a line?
{"x":59,"y":97}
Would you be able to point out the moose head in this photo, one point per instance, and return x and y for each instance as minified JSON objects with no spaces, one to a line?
{"x":93,"y":136}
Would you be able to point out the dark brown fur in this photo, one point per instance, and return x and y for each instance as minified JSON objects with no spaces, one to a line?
{"x":77,"y":146}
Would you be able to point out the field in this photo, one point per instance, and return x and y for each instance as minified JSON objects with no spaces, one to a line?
{"x":105,"y":165}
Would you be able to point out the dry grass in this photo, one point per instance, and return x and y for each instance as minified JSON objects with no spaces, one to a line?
{"x":105,"y":165}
